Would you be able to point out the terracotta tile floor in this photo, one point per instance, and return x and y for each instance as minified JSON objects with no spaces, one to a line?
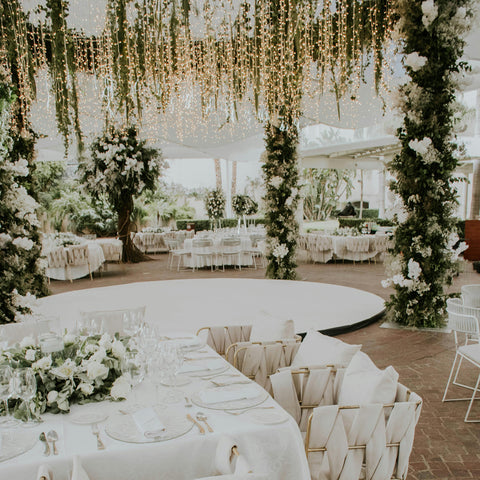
{"x":445,"y":447}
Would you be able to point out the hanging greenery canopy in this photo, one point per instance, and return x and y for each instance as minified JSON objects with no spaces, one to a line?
{"x":252,"y":56}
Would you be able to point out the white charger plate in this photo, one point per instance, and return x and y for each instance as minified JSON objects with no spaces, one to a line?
{"x":267,"y":417}
{"x":231,"y":404}
{"x":88,"y":418}
{"x":123,"y":427}
{"x":15,"y":442}
{"x":222,"y":367}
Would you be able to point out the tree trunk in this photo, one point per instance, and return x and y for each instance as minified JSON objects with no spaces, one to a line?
{"x":475,"y":203}
{"x":130,"y":253}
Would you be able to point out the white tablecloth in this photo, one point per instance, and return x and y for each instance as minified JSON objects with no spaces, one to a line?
{"x":204,"y":261}
{"x":273,"y":449}
{"x":96,"y":259}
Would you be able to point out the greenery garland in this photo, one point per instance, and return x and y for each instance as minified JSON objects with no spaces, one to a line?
{"x":424,"y":254}
{"x":21,"y":267}
{"x":280,"y":172}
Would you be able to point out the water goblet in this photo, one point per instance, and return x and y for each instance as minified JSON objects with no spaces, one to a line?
{"x":135,"y":371}
{"x":25,"y":387}
{"x":6,"y":392}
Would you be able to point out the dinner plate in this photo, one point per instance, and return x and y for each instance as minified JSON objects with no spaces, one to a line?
{"x":87,"y":418}
{"x":267,"y":417}
{"x":187,"y":342}
{"x":199,"y":368}
{"x":15,"y":442}
{"x":123,"y":427}
{"x":241,"y":396}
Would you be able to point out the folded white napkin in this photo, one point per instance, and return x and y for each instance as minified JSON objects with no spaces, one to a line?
{"x":217,"y":395}
{"x":205,"y":366}
{"x":148,"y":423}
{"x":78,"y":473}
{"x":44,"y":472}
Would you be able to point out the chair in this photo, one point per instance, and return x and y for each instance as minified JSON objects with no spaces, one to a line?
{"x":372,"y":441}
{"x":174,"y":251}
{"x":320,"y":248}
{"x":381,"y":245}
{"x":113,"y":321}
{"x":57,"y":258}
{"x":471,"y":295}
{"x":220,"y":338}
{"x":358,"y":248}
{"x":202,"y":252}
{"x":230,"y":252}
{"x":468,"y":325}
{"x":112,"y":251}
{"x":255,"y":251}
{"x":77,"y":255}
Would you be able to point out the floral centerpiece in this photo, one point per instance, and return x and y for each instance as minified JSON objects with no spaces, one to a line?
{"x":65,"y":239}
{"x":215,"y":204}
{"x":84,"y":370}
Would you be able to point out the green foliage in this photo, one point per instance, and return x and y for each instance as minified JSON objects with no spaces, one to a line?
{"x":322,"y":190}
{"x":244,"y":205}
{"x":424,"y":253}
{"x":47,"y":182}
{"x":281,"y":198}
{"x":21,"y":268}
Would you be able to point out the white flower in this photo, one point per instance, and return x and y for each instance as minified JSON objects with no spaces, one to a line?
{"x":23,"y":242}
{"x":99,"y":355}
{"x":120,"y":388}
{"x":118,"y":349}
{"x":90,"y":348}
{"x":52,"y":397}
{"x":69,"y":338}
{"x":43,"y":364}
{"x":430,"y":12}
{"x":386,"y":283}
{"x":105,"y":341}
{"x":4,"y":239}
{"x":85,"y":388}
{"x":30,"y":355}
{"x":96,"y":370}
{"x":27,"y":342}
{"x":276,"y":181}
{"x":414,"y":269}
{"x":415,"y":61}
{"x":66,"y":370}
{"x":420,"y":146}
{"x":280,"y":251}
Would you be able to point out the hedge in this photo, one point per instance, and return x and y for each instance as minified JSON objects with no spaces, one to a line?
{"x":203,"y":224}
{"x":358,"y":222}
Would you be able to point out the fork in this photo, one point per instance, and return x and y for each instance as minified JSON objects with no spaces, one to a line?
{"x":96,"y":432}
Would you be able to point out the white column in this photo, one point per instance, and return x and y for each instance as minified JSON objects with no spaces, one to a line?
{"x":381,"y":191}
{"x":228,"y":189}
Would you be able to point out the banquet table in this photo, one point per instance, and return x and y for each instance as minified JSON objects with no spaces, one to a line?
{"x":245,"y":258}
{"x":96,"y":258}
{"x":275,"y":449}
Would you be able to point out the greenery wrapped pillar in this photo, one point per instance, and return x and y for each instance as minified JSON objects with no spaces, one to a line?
{"x":426,"y":242}
{"x":281,"y":180}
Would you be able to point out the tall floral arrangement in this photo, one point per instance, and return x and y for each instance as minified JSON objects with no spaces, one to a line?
{"x":244,"y":205}
{"x":121,"y":167}
{"x":280,"y":171}
{"x":21,"y":266}
{"x":215,"y":204}
{"x":426,"y":242}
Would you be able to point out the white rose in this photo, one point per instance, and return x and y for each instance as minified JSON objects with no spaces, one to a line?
{"x":120,"y":388}
{"x":4,"y":239}
{"x":67,"y":369}
{"x":96,"y":370}
{"x":276,"y":181}
{"x":23,"y":242}
{"x":105,"y":341}
{"x":43,"y":364}
{"x":27,"y":342}
{"x":69,"y":338}
{"x":30,"y":355}
{"x":90,"y":348}
{"x":85,"y":388}
{"x":52,"y":397}
{"x":118,"y":349}
{"x":415,"y":61}
{"x":430,"y":12}
{"x":99,"y":355}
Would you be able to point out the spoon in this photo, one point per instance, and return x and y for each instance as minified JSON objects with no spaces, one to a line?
{"x":203,"y":418}
{"x":52,"y":436}
{"x":43,"y":438}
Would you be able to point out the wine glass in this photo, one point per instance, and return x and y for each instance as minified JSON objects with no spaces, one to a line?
{"x":6,"y":392}
{"x":25,"y":386}
{"x":135,"y":371}
{"x":173,"y":358}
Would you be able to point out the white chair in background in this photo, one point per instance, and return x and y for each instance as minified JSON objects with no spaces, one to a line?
{"x":57,"y":258}
{"x":202,"y":253}
{"x":467,"y":325}
{"x":230,"y":252}
{"x":175,"y":252}
{"x":471,"y":295}
{"x":357,"y":248}
{"x":112,"y":251}
{"x":381,"y":245}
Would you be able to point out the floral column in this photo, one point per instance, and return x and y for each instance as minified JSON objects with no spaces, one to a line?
{"x":281,"y":179}
{"x":426,"y":241}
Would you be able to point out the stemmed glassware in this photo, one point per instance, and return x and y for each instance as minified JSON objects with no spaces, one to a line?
{"x":25,"y":388}
{"x":135,"y":370}
{"x":6,"y":392}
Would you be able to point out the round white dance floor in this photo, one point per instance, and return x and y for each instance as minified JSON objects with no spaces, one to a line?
{"x":188,"y":305}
